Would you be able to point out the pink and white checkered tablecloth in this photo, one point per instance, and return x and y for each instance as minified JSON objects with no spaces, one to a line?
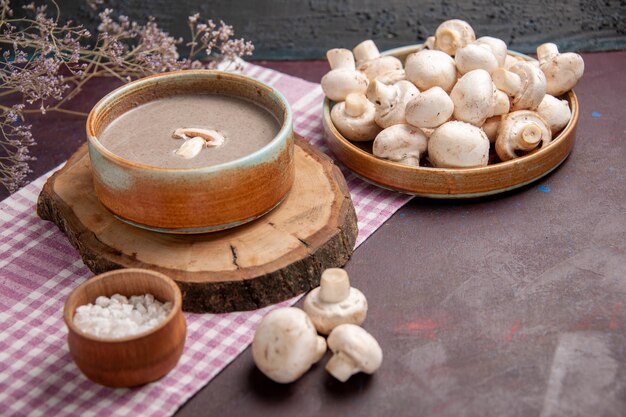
{"x":39,"y":268}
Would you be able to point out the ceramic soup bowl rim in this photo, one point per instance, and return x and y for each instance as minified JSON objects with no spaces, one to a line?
{"x":285,"y":131}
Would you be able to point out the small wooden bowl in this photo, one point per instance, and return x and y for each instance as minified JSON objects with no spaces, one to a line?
{"x":133,"y":360}
{"x":448,"y":183}
{"x":192,"y":200}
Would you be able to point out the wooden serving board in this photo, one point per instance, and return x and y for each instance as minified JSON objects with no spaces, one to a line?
{"x":271,"y":259}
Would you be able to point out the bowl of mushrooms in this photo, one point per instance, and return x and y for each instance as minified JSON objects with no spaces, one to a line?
{"x":455,"y":117}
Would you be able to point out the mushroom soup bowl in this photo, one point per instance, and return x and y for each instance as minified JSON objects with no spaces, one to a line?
{"x":451,"y":183}
{"x":192,"y":200}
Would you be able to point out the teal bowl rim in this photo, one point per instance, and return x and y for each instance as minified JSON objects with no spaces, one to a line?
{"x":282,"y":136}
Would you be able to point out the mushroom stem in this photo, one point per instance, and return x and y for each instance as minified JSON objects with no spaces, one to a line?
{"x":320,"y":349}
{"x":546,"y":51}
{"x":365,"y":51}
{"x":334,"y":285}
{"x":529,"y":137}
{"x":381,"y":94}
{"x":341,"y":366}
{"x":507,"y":81}
{"x":341,"y":58}
{"x":356,"y":104}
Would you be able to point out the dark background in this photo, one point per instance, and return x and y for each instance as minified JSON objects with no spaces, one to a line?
{"x":301,"y":29}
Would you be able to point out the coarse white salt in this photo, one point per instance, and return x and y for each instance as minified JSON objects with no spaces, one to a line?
{"x":119,"y":316}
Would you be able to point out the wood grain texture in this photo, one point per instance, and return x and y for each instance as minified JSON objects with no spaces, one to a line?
{"x":307,"y":29}
{"x":134,"y":360}
{"x":269,"y":260}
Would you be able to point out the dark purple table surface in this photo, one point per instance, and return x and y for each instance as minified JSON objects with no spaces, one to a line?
{"x":513,"y":305}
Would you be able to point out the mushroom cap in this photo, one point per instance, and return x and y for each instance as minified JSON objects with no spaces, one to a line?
{"x":473,"y":97}
{"x":380,"y":66}
{"x":458,"y":144}
{"x":401,"y":143}
{"x":555,"y":112}
{"x":338,"y":83}
{"x":453,"y":34}
{"x":562,"y":72}
{"x":326,"y":316}
{"x":356,"y":345}
{"x":391,"y":101}
{"x":286,"y":344}
{"x":356,"y":128}
{"x":490,"y":127}
{"x":429,"y":68}
{"x":475,"y":56}
{"x":430,"y":108}
{"x":522,"y":130}
{"x":392,"y":77}
{"x":498,"y":47}
{"x":533,"y":86}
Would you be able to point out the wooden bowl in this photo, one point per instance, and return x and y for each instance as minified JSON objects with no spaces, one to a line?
{"x":192,"y":200}
{"x":133,"y":360}
{"x":447,"y":182}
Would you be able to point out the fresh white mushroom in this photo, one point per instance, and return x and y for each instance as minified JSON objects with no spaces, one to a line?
{"x":453,"y":34}
{"x":354,"y":118}
{"x":498,"y":47}
{"x":369,"y":61}
{"x":401,"y":143}
{"x":458,"y":144}
{"x":562,"y":70}
{"x":522,"y":130}
{"x":392,"y":77}
{"x":509,"y":61}
{"x":555,"y":112}
{"x":475,"y":56}
{"x":334,"y":302}
{"x":525,"y":83}
{"x":343,"y":78}
{"x":429,"y":109}
{"x":286,"y":344}
{"x":428,"y":68}
{"x":490,"y":127}
{"x":475,"y":98}
{"x":354,"y":350}
{"x":390,"y":101}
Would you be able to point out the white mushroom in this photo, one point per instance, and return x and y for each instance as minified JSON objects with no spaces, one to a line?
{"x":498,"y":47}
{"x":429,"y":109}
{"x":286,"y":344}
{"x":429,"y":43}
{"x":428,"y":68}
{"x":401,"y":143}
{"x":555,"y":112}
{"x":562,"y":70}
{"x":334,"y":302}
{"x":369,"y":61}
{"x":354,"y":118}
{"x":522,"y":130}
{"x":343,"y":77}
{"x":453,"y":34}
{"x":490,"y":127}
{"x":475,"y":98}
{"x":354,"y":350}
{"x":390,"y":101}
{"x":509,"y":61}
{"x":458,"y":144}
{"x":475,"y":56}
{"x":525,"y":83}
{"x":392,"y":77}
